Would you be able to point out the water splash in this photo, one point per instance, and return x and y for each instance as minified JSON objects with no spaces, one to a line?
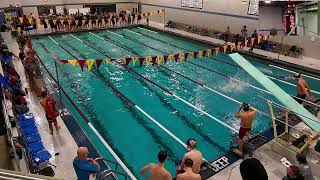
{"x":233,"y":85}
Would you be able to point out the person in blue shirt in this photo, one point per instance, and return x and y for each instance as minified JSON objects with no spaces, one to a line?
{"x":83,"y":165}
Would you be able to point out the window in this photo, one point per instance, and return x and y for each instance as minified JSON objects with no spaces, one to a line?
{"x":192,"y":3}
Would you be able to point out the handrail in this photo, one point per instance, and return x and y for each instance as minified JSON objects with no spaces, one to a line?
{"x":109,"y":161}
{"x":105,"y":173}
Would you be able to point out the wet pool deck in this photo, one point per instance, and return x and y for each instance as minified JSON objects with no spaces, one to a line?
{"x":270,"y":153}
{"x":62,"y":142}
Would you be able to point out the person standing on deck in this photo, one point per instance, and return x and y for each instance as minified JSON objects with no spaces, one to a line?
{"x":49,"y":105}
{"x":193,"y":154}
{"x":303,"y":89}
{"x":188,"y":174}
{"x":246,"y":118}
{"x":157,"y":171}
{"x":84,"y":166}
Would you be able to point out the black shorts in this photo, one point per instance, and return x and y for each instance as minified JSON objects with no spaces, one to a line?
{"x":49,"y":119}
{"x":299,"y":98}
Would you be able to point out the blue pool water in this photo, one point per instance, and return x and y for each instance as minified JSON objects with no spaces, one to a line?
{"x":133,"y":136}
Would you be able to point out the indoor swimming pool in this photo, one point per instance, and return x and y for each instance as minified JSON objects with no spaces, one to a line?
{"x":193,"y":99}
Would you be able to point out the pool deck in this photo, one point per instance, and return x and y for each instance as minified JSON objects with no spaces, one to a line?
{"x":269,"y":154}
{"x":303,"y":61}
{"x":61,"y":142}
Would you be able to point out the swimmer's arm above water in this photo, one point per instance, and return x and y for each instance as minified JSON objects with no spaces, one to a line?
{"x":143,"y":171}
{"x":238,"y":114}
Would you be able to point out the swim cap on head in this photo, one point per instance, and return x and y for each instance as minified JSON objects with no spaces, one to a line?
{"x":246,"y":106}
{"x":297,"y":75}
{"x":192,"y":143}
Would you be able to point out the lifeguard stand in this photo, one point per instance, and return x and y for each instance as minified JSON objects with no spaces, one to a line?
{"x":294,"y":139}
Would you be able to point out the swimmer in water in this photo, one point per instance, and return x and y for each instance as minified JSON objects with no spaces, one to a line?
{"x":157,"y":171}
{"x":246,"y":117}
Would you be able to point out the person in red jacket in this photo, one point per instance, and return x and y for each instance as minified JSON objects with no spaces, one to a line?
{"x":49,"y":105}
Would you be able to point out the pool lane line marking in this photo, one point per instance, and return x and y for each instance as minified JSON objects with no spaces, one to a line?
{"x":136,"y":53}
{"x":148,"y":30}
{"x":136,"y":106}
{"x":285,"y":82}
{"x":207,"y":68}
{"x":133,"y":104}
{"x":164,"y":42}
{"x":83,"y":116}
{"x":167,"y":91}
{"x":130,"y":174}
{"x":230,"y":75}
{"x":114,"y":33}
{"x":257,"y":88}
{"x":293,"y":72}
{"x":316,"y":92}
{"x":133,"y":32}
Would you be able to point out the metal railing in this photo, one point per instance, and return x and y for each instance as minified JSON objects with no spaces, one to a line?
{"x":106,"y":172}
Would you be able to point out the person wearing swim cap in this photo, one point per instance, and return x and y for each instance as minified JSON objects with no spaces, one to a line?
{"x":246,"y":114}
{"x":188,"y":174}
{"x":303,"y":89}
{"x":193,"y":154}
{"x":157,"y":171}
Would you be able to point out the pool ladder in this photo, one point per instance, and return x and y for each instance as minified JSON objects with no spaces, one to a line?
{"x":107,"y":172}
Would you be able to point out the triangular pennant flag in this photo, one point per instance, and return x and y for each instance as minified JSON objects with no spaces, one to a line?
{"x":171,"y":58}
{"x":21,"y":20}
{"x":186,"y":56}
{"x":81,"y":63}
{"x":73,"y":62}
{"x":141,"y":60}
{"x":191,"y":55}
{"x":200,"y":54}
{"x":181,"y":57}
{"x":127,"y":60}
{"x":30,"y":20}
{"x":98,"y":63}
{"x":90,"y":63}
{"x":108,"y":60}
{"x":159,"y":59}
{"x":38,"y":21}
{"x":64,"y":61}
{"x":47,"y":21}
{"x":148,"y":60}
{"x":176,"y":57}
{"x":165,"y":58}
{"x":209,"y":53}
{"x":134,"y":60}
{"x":154,"y":58}
{"x":217,"y":50}
{"x":270,"y":36}
{"x":77,"y":22}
